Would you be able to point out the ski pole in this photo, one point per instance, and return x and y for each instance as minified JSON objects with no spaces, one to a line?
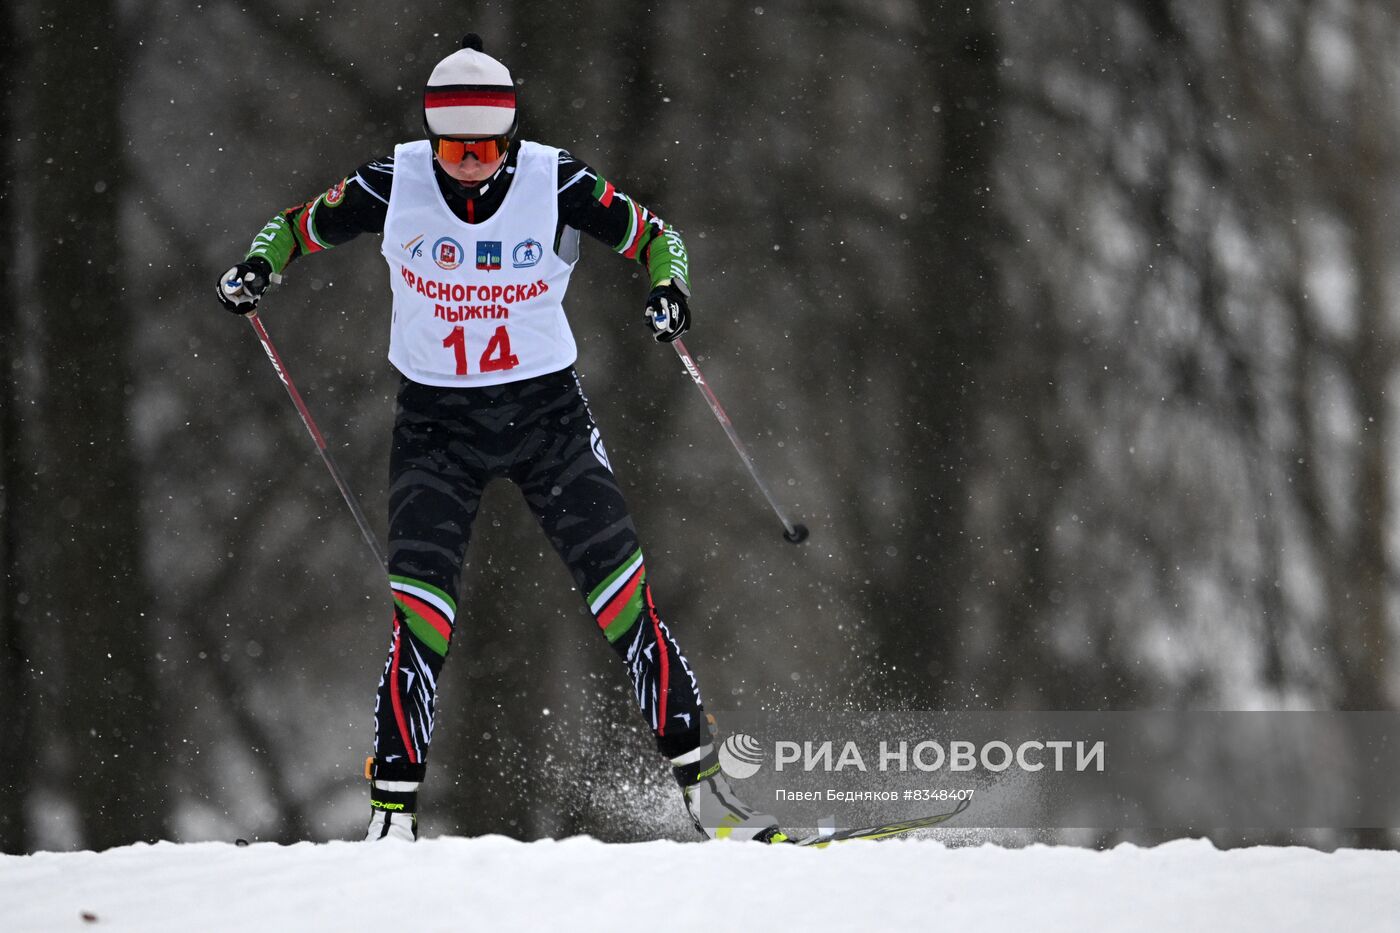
{"x":315,"y":433}
{"x":795,"y":533}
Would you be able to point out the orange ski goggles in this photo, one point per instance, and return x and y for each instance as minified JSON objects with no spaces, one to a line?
{"x":488,"y":149}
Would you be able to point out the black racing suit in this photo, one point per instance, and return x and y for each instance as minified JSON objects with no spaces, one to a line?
{"x":448,"y":443}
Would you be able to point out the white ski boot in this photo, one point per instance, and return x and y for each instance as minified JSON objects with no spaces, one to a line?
{"x":389,"y":824}
{"x":716,"y":811}
{"x":393,"y":808}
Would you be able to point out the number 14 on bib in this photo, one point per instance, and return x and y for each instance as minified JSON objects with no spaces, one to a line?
{"x":495,"y":358}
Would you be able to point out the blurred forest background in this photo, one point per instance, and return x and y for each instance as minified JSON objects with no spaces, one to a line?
{"x":1069,"y":328}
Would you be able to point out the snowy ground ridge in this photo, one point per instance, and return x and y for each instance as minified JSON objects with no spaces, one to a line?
{"x":495,"y":883}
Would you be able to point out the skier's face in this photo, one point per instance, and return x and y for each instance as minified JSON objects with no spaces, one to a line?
{"x":471,"y":170}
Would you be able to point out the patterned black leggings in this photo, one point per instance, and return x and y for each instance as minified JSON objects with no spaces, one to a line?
{"x":538,"y":433}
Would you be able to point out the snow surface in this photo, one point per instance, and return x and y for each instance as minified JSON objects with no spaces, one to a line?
{"x":580,"y":884}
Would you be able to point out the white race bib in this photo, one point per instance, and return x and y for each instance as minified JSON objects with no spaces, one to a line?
{"x":477,"y":304}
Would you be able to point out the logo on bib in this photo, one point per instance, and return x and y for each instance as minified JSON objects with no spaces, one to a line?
{"x":488,"y":254}
{"x":447,"y":253}
{"x":527,"y":253}
{"x":414,"y":247}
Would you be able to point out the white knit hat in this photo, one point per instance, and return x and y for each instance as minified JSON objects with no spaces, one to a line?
{"x":469,"y":94}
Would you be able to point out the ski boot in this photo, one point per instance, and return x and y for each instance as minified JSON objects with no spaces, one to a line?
{"x":714,"y":808}
{"x":393,"y":808}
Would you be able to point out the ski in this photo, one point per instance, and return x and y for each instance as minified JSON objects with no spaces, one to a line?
{"x":883,"y":831}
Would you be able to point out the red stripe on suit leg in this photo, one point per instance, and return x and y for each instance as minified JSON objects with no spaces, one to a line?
{"x":665,"y":678}
{"x":394,"y":693}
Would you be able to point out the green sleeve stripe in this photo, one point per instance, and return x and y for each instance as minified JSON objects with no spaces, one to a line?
{"x":649,"y":233}
{"x":633,"y":218}
{"x":311,"y":213}
{"x":305,"y":228}
{"x":667,"y":258}
{"x":275,"y":243}
{"x":602,"y":191}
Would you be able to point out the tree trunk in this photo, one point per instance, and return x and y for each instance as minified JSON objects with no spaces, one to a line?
{"x":16,"y":736}
{"x":1371,"y":362}
{"x":83,"y":541}
{"x":924,"y":671}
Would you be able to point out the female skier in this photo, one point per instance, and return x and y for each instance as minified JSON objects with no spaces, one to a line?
{"x":481,"y":232}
